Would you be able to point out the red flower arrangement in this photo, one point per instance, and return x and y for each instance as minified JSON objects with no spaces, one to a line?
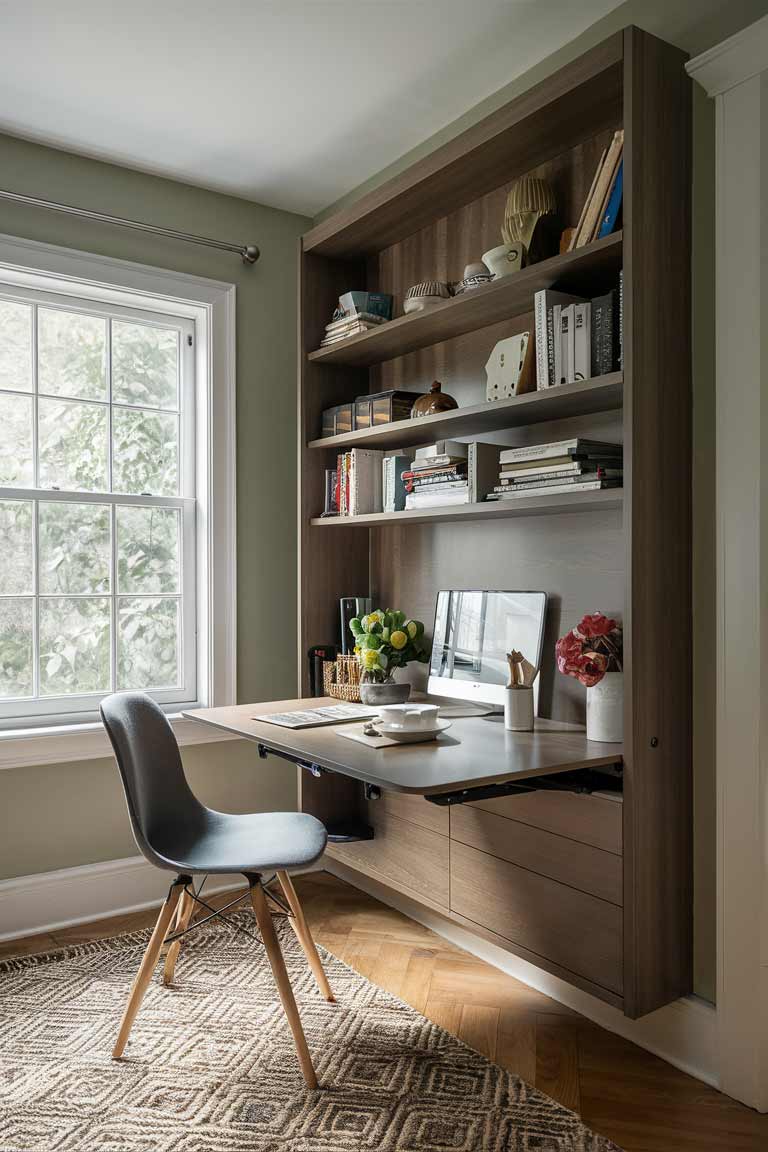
{"x":590,"y":649}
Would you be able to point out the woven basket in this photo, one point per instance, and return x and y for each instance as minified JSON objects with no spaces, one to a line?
{"x":341,"y":678}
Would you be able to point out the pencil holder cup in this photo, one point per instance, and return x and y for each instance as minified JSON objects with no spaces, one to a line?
{"x":518,"y":709}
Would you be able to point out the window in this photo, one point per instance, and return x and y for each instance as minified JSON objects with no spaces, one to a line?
{"x":98,"y":505}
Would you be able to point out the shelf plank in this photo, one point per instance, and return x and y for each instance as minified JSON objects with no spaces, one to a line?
{"x":500,"y":300}
{"x":490,"y":510}
{"x":602,"y":394}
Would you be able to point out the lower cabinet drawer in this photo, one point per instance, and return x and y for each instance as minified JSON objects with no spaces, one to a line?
{"x":591,"y":819}
{"x":578,"y":865}
{"x":413,"y":859}
{"x":414,"y":808}
{"x":567,"y":927}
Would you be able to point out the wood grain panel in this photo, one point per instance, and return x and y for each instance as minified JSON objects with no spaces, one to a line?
{"x":413,"y":859}
{"x":593,"y":820}
{"x":578,"y":865}
{"x":657,"y":462}
{"x":414,"y":808}
{"x":577,"y":931}
{"x":326,"y":572}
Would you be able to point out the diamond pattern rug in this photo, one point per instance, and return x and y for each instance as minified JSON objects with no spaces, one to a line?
{"x":210,"y":1065}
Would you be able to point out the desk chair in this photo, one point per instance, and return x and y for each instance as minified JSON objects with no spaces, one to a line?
{"x":176,"y":832}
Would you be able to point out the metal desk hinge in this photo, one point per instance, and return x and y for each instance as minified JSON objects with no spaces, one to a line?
{"x":578,"y":780}
{"x":315,"y":769}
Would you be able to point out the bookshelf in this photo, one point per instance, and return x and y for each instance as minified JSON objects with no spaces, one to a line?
{"x":487,"y":510}
{"x":498,"y":301}
{"x":580,"y":399}
{"x":620,"y":551}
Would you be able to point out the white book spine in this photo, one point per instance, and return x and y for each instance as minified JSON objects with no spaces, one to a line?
{"x":556,"y":325}
{"x":566,"y":335}
{"x":582,"y":314}
{"x":542,"y":359}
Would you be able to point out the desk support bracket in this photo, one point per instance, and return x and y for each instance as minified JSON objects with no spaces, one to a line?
{"x":340,"y":832}
{"x":579,"y":780}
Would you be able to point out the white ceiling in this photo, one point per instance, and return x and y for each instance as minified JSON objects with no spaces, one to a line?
{"x":289,"y":102}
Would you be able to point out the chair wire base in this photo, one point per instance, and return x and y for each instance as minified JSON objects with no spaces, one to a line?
{"x":218,"y":913}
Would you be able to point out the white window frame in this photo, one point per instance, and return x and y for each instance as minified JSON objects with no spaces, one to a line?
{"x":210,"y":306}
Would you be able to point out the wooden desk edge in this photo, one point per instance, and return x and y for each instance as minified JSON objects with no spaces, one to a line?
{"x":275,"y":744}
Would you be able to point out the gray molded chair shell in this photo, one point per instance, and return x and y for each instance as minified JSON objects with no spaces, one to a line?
{"x":172,"y":828}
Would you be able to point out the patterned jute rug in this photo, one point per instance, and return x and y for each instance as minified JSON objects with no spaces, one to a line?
{"x":210,"y":1065}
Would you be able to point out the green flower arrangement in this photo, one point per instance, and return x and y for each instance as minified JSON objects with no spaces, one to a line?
{"x":385,"y":641}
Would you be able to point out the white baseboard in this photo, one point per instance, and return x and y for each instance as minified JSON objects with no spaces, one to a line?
{"x":51,"y":900}
{"x":684,"y":1033}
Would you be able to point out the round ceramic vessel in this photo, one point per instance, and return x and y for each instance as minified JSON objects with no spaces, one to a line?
{"x":605,"y":709}
{"x":384,"y":692}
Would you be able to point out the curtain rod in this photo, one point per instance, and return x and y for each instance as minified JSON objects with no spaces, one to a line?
{"x":248,"y":252}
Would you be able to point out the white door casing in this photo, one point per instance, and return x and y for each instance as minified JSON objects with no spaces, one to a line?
{"x":735,"y":75}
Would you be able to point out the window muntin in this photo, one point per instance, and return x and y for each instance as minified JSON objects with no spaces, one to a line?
{"x":97,"y":505}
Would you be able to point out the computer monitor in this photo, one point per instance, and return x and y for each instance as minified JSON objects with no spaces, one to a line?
{"x":473,"y":633}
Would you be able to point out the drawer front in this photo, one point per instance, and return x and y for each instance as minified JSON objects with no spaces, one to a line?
{"x":413,"y":859}
{"x":567,"y":861}
{"x":595,"y":820}
{"x":561,"y":924}
{"x":414,"y":808}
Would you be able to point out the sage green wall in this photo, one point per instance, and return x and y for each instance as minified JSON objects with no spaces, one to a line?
{"x":59,"y":816}
{"x":694,"y":25}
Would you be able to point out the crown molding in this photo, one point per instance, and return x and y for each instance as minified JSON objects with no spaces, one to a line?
{"x":735,"y":60}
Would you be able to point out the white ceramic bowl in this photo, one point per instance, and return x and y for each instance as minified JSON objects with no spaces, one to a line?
{"x":408,"y":717}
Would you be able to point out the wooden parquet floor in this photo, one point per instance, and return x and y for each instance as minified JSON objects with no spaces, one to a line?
{"x":620,"y":1090}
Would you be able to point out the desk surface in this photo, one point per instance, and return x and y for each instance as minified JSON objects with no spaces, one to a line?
{"x":476,"y":750}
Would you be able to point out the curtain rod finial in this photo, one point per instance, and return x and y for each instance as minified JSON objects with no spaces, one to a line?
{"x":250,"y":253}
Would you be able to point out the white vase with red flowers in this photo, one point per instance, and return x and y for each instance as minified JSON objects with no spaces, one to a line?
{"x":591,"y":652}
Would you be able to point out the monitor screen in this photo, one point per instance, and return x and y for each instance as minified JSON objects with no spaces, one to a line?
{"x":473,"y":633}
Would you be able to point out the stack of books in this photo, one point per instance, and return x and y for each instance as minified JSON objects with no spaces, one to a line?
{"x":559,"y":466}
{"x":438,"y":475}
{"x":357,"y":312}
{"x":576,"y":338}
{"x":449,"y":472}
{"x":601,"y":209}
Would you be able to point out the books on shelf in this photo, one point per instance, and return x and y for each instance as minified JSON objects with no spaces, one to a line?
{"x":358,"y":482}
{"x":463,"y":475}
{"x":576,"y":465}
{"x":577,"y":445}
{"x":393,"y":467}
{"x":357,"y":312}
{"x":600,"y":212}
{"x":576,"y":339}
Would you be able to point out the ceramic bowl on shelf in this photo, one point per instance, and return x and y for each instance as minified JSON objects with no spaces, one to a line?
{"x":426,"y":295}
{"x":475,"y":275}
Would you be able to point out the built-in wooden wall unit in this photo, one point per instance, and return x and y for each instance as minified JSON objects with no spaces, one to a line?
{"x":596,"y":888}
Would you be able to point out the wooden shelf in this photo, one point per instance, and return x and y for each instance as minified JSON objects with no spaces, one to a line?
{"x":603,"y":394}
{"x":500,"y":300}
{"x":490,"y":510}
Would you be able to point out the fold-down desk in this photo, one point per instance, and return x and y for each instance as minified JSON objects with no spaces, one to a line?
{"x":475,"y":752}
{"x":475,"y":826}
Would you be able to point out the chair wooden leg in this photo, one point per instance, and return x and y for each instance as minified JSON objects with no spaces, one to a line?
{"x":181,"y":923}
{"x":144,"y":975}
{"x":301,"y":928}
{"x":275,"y":956}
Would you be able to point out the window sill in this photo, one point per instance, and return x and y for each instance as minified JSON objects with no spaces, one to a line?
{"x":22,"y":747}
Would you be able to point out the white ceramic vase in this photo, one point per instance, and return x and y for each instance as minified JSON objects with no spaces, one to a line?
{"x":605,"y":709}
